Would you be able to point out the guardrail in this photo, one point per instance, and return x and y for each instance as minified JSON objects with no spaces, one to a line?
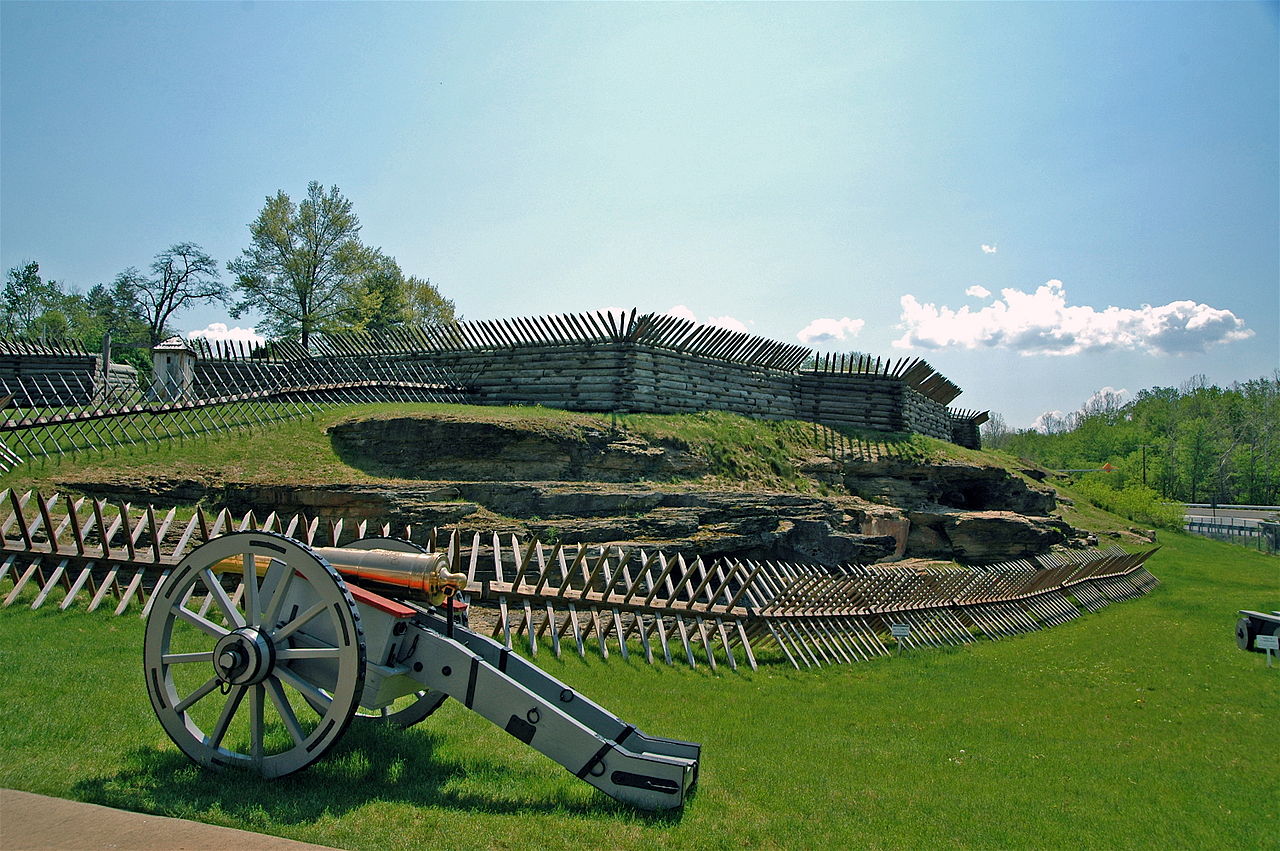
{"x":1262,"y":535}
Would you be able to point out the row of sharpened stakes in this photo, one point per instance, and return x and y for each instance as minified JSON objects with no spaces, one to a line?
{"x":625,"y":600}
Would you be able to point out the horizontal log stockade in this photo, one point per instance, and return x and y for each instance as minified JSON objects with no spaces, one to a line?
{"x":624,"y":601}
{"x":57,"y":398}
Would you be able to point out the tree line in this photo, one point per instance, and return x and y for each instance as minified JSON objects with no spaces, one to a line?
{"x":305,"y":271}
{"x":1194,"y":443}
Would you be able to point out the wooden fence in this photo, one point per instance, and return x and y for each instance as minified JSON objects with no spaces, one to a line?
{"x":656,"y":363}
{"x":603,"y":599}
{"x":655,"y":330}
{"x":605,"y":362}
{"x":230,"y":393}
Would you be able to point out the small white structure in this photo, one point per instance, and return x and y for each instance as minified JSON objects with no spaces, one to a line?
{"x":173,"y":370}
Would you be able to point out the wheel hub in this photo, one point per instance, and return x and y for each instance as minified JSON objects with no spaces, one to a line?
{"x":244,"y":656}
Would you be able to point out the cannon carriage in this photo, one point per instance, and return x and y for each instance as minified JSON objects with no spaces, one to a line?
{"x":268,"y":678}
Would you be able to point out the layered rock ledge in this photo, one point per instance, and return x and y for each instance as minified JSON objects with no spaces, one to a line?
{"x":597,"y":486}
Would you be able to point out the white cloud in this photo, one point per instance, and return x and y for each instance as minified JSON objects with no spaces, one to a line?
{"x":1042,"y":323}
{"x":1105,"y":399}
{"x":825,"y":332}
{"x":988,"y":249}
{"x":220,"y":331}
{"x":978,"y":291}
{"x":1049,"y":422}
{"x":683,"y":312}
{"x":727,"y":322}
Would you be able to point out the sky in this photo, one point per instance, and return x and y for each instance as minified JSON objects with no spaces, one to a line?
{"x":1041,"y":199}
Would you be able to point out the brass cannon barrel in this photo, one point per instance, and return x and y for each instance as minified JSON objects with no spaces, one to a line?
{"x":419,"y":575}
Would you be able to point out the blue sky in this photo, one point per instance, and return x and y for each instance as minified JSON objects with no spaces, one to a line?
{"x":818,"y":173}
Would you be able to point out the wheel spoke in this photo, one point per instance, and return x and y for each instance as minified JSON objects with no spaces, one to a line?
{"x":297,"y":653}
{"x":251,"y":609}
{"x":275,"y":587}
{"x":202,"y":623}
{"x":229,"y":610}
{"x":287,"y":715}
{"x":293,"y":625}
{"x":191,"y":699}
{"x":182,"y":658}
{"x":312,"y":693}
{"x":224,"y":720}
{"x":255,"y":723}
{"x":297,"y":641}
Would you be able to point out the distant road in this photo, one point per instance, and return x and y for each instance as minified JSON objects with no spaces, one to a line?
{"x":1239,"y":515}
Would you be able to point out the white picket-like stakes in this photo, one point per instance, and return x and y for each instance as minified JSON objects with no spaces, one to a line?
{"x":533,"y":597}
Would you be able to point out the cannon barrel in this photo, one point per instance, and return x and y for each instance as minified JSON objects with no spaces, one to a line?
{"x":418,"y":575}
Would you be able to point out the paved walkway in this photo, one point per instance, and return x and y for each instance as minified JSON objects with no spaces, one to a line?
{"x":38,"y":823}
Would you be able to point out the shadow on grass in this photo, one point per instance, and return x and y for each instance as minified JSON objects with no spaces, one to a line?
{"x":372,"y":763}
{"x":853,"y":445}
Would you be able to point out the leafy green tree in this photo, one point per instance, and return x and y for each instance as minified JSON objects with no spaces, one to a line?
{"x":113,"y":309}
{"x":379,"y":299}
{"x":27,"y":298}
{"x":386,"y":298}
{"x":303,"y":266}
{"x":181,"y":275}
{"x":1195,"y":443}
{"x":427,"y":306}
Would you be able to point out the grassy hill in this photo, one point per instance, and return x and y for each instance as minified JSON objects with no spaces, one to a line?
{"x":739,"y":451}
{"x":1141,"y":726}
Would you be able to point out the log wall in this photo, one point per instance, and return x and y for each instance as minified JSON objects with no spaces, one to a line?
{"x":635,"y":378}
{"x":625,"y":362}
{"x":62,"y":380}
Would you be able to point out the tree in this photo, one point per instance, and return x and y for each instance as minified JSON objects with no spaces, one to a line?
{"x":384,"y":298}
{"x":426,"y":304}
{"x":1195,"y":443}
{"x":304,"y":264}
{"x":181,"y":275}
{"x":379,"y":299}
{"x":995,"y":432}
{"x":113,"y":309}
{"x":26,"y":299}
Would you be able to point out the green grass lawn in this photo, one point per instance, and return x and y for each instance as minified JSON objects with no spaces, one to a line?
{"x":739,"y":451}
{"x":1140,"y":726}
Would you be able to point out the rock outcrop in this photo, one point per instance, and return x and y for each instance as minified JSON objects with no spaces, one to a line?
{"x":981,"y":537}
{"x":702,"y":521}
{"x":969,"y":487}
{"x":573,"y":482}
{"x":444,"y":449}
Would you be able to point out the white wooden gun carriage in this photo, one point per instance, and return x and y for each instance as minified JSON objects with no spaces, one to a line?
{"x":269,"y":678}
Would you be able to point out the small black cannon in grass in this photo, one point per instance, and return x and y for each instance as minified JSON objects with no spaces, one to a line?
{"x":268,"y":677}
{"x":1254,"y":624}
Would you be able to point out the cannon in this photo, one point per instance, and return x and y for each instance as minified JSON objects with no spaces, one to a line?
{"x":268,"y":678}
{"x":1252,"y":624}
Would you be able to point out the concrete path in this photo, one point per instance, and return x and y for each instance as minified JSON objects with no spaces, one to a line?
{"x":38,"y":823}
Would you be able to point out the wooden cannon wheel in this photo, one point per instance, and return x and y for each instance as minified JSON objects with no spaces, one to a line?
{"x":267,"y":678}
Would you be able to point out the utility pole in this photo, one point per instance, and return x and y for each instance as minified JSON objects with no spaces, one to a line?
{"x":1144,"y":465}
